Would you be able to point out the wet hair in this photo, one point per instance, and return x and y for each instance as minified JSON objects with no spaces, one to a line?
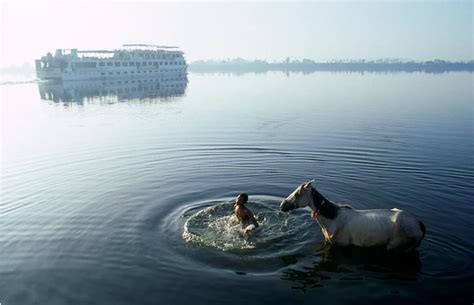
{"x":245,"y":197}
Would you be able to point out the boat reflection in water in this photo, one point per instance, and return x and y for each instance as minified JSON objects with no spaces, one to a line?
{"x":159,"y":87}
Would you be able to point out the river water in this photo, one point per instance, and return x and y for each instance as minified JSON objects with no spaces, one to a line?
{"x":119,"y":192}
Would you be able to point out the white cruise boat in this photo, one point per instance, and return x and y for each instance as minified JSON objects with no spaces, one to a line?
{"x":132,"y":61}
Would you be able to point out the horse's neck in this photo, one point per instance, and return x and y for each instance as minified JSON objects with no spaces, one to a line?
{"x":327,"y":215}
{"x":326,"y":222}
{"x":324,"y":206}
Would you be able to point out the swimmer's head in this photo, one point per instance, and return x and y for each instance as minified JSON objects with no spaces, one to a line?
{"x":241,"y":199}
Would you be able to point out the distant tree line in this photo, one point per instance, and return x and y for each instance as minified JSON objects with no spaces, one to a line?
{"x":240,"y":65}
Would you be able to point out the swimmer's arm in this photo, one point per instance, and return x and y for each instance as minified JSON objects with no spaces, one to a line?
{"x":254,"y":221}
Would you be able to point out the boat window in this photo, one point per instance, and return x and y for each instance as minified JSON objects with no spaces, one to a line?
{"x":102,"y":64}
{"x":109,"y":64}
{"x":117,"y":64}
{"x":86,"y":64}
{"x":132,"y":63}
{"x":125,"y":64}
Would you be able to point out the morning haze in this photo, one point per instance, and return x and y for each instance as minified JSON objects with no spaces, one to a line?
{"x":272,"y":31}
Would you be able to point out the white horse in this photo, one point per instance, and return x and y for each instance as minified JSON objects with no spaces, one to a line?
{"x":342,"y":225}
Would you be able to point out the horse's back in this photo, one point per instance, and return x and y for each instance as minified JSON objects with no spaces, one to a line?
{"x":365,"y":228}
{"x":392,"y":227}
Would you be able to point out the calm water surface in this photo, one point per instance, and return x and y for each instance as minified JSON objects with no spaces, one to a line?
{"x":99,"y":183}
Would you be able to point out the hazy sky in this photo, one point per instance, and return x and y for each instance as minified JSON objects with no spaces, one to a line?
{"x":265,"y":30}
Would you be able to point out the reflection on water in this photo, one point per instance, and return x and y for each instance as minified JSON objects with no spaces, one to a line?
{"x":159,"y":86}
{"x":353,"y":264}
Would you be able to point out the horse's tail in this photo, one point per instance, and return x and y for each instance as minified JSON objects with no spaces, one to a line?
{"x":423,"y":231}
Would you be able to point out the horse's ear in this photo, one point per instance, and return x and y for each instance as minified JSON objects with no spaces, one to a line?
{"x":308,"y":183}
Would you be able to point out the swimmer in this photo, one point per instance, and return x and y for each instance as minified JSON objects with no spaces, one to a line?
{"x":243,"y":213}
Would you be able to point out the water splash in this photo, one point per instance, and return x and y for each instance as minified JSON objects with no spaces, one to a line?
{"x":218,"y":227}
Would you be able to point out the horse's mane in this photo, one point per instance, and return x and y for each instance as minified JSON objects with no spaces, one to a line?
{"x":344,"y":205}
{"x":327,"y":208}
{"x":331,"y":210}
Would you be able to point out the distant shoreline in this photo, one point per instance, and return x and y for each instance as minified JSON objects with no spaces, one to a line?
{"x":239,"y":65}
{"x":309,"y":66}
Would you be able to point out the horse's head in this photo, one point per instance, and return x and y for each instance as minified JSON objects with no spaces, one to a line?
{"x":300,"y":198}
